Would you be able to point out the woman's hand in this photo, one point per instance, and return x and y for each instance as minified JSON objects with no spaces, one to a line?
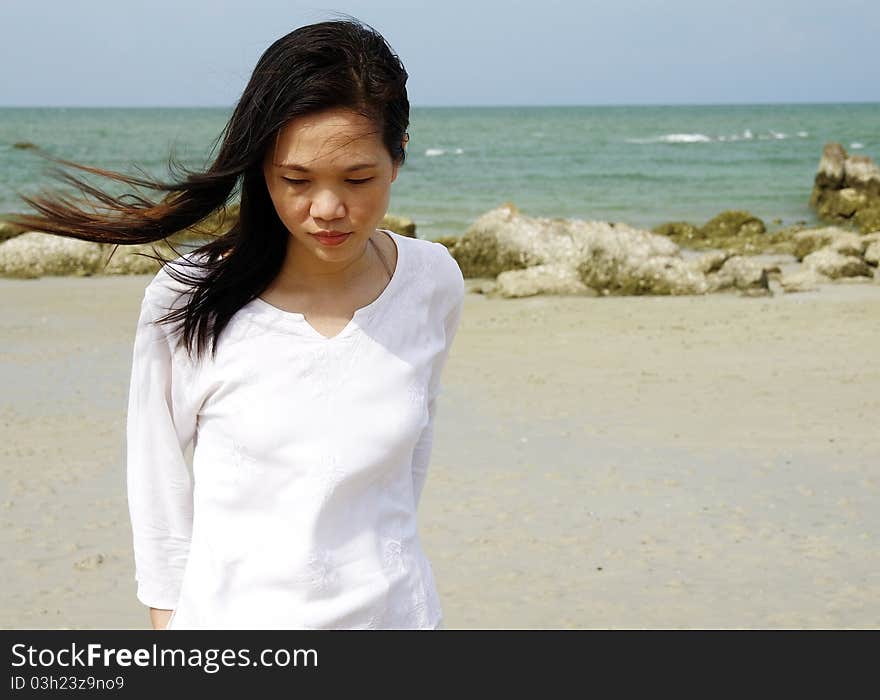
{"x":159,"y":617}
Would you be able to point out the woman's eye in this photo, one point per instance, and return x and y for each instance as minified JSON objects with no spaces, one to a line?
{"x":302,"y":182}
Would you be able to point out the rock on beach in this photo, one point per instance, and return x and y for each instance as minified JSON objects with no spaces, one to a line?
{"x":533,"y":255}
{"x":847,"y":188}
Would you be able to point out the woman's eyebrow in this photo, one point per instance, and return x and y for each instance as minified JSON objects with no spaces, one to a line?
{"x":303,"y":169}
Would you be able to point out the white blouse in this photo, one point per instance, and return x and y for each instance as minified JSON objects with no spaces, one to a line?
{"x":309,"y":458}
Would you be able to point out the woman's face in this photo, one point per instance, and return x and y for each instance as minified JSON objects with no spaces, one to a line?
{"x":329,"y":171}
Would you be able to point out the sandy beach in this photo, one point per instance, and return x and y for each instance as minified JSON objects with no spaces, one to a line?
{"x":619,"y":462}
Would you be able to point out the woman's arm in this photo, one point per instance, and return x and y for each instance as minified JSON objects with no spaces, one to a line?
{"x":159,"y":618}
{"x":422,"y":452}
{"x":160,"y":424}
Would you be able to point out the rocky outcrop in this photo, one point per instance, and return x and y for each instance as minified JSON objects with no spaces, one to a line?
{"x":9,"y":230}
{"x":399,"y":224}
{"x":502,"y":240}
{"x":612,"y":266}
{"x":531,"y":255}
{"x":509,"y":254}
{"x":847,"y":188}
{"x":710,"y":262}
{"x":872,"y":252}
{"x":835,"y":265}
{"x":839,"y":239}
{"x":733,"y":223}
{"x":833,"y":254}
{"x":734,"y":230}
{"x":542,"y":279}
{"x":802,"y":280}
{"x":739,"y":272}
{"x":35,"y":254}
{"x":681,"y":232}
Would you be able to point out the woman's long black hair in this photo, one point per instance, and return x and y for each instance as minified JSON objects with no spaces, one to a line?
{"x":334,"y":64}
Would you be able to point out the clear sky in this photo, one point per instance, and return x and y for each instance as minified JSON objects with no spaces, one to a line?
{"x":478,"y":52}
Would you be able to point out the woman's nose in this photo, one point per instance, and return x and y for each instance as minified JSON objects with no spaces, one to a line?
{"x":327,"y":205}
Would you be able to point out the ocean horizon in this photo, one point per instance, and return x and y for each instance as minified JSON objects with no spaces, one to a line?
{"x":638,"y":164}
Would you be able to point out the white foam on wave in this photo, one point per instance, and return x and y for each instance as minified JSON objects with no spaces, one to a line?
{"x":856,"y":145}
{"x":674,"y":138}
{"x":746,"y":135}
{"x":442,"y":151}
{"x":686,"y":138}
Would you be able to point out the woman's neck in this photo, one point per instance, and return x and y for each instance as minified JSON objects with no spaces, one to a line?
{"x":301,"y":271}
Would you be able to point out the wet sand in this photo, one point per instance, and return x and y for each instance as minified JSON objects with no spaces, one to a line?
{"x":652,"y":462}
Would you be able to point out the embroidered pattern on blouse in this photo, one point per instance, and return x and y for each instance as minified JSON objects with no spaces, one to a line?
{"x":420,"y":603}
{"x":420,"y":609}
{"x":392,"y":556}
{"x":413,"y":608}
{"x":415,"y":393}
{"x":244,"y":466}
{"x":320,"y":573}
{"x":415,"y":605}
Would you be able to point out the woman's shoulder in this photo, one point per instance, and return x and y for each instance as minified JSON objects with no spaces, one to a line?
{"x":433,"y":260}
{"x":175,"y":279}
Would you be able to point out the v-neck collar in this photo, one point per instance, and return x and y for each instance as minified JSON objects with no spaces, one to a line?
{"x":298,"y":321}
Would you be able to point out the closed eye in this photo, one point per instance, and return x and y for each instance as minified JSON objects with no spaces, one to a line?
{"x":301,"y":182}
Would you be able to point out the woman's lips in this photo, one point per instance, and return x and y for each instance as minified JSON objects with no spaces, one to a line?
{"x":331,"y":238}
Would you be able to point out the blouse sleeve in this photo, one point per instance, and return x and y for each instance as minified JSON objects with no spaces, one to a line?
{"x":161,"y":423}
{"x":422,"y":452}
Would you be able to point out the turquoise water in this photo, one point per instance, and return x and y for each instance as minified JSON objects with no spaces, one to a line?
{"x":639,"y":165}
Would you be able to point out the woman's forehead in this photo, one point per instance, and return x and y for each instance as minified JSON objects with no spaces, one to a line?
{"x":337,"y":153}
{"x":332,"y":142}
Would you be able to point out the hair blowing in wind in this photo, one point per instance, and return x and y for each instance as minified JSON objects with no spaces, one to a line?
{"x":334,"y":64}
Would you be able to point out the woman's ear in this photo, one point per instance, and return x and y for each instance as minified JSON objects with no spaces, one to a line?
{"x":396,"y":165}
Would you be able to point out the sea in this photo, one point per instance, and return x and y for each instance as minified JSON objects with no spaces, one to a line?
{"x":640,"y":165}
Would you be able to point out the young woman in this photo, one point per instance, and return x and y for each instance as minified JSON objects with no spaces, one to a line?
{"x":311,"y":414}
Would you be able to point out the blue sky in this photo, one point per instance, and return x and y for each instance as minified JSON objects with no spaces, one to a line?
{"x":554,"y":52}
